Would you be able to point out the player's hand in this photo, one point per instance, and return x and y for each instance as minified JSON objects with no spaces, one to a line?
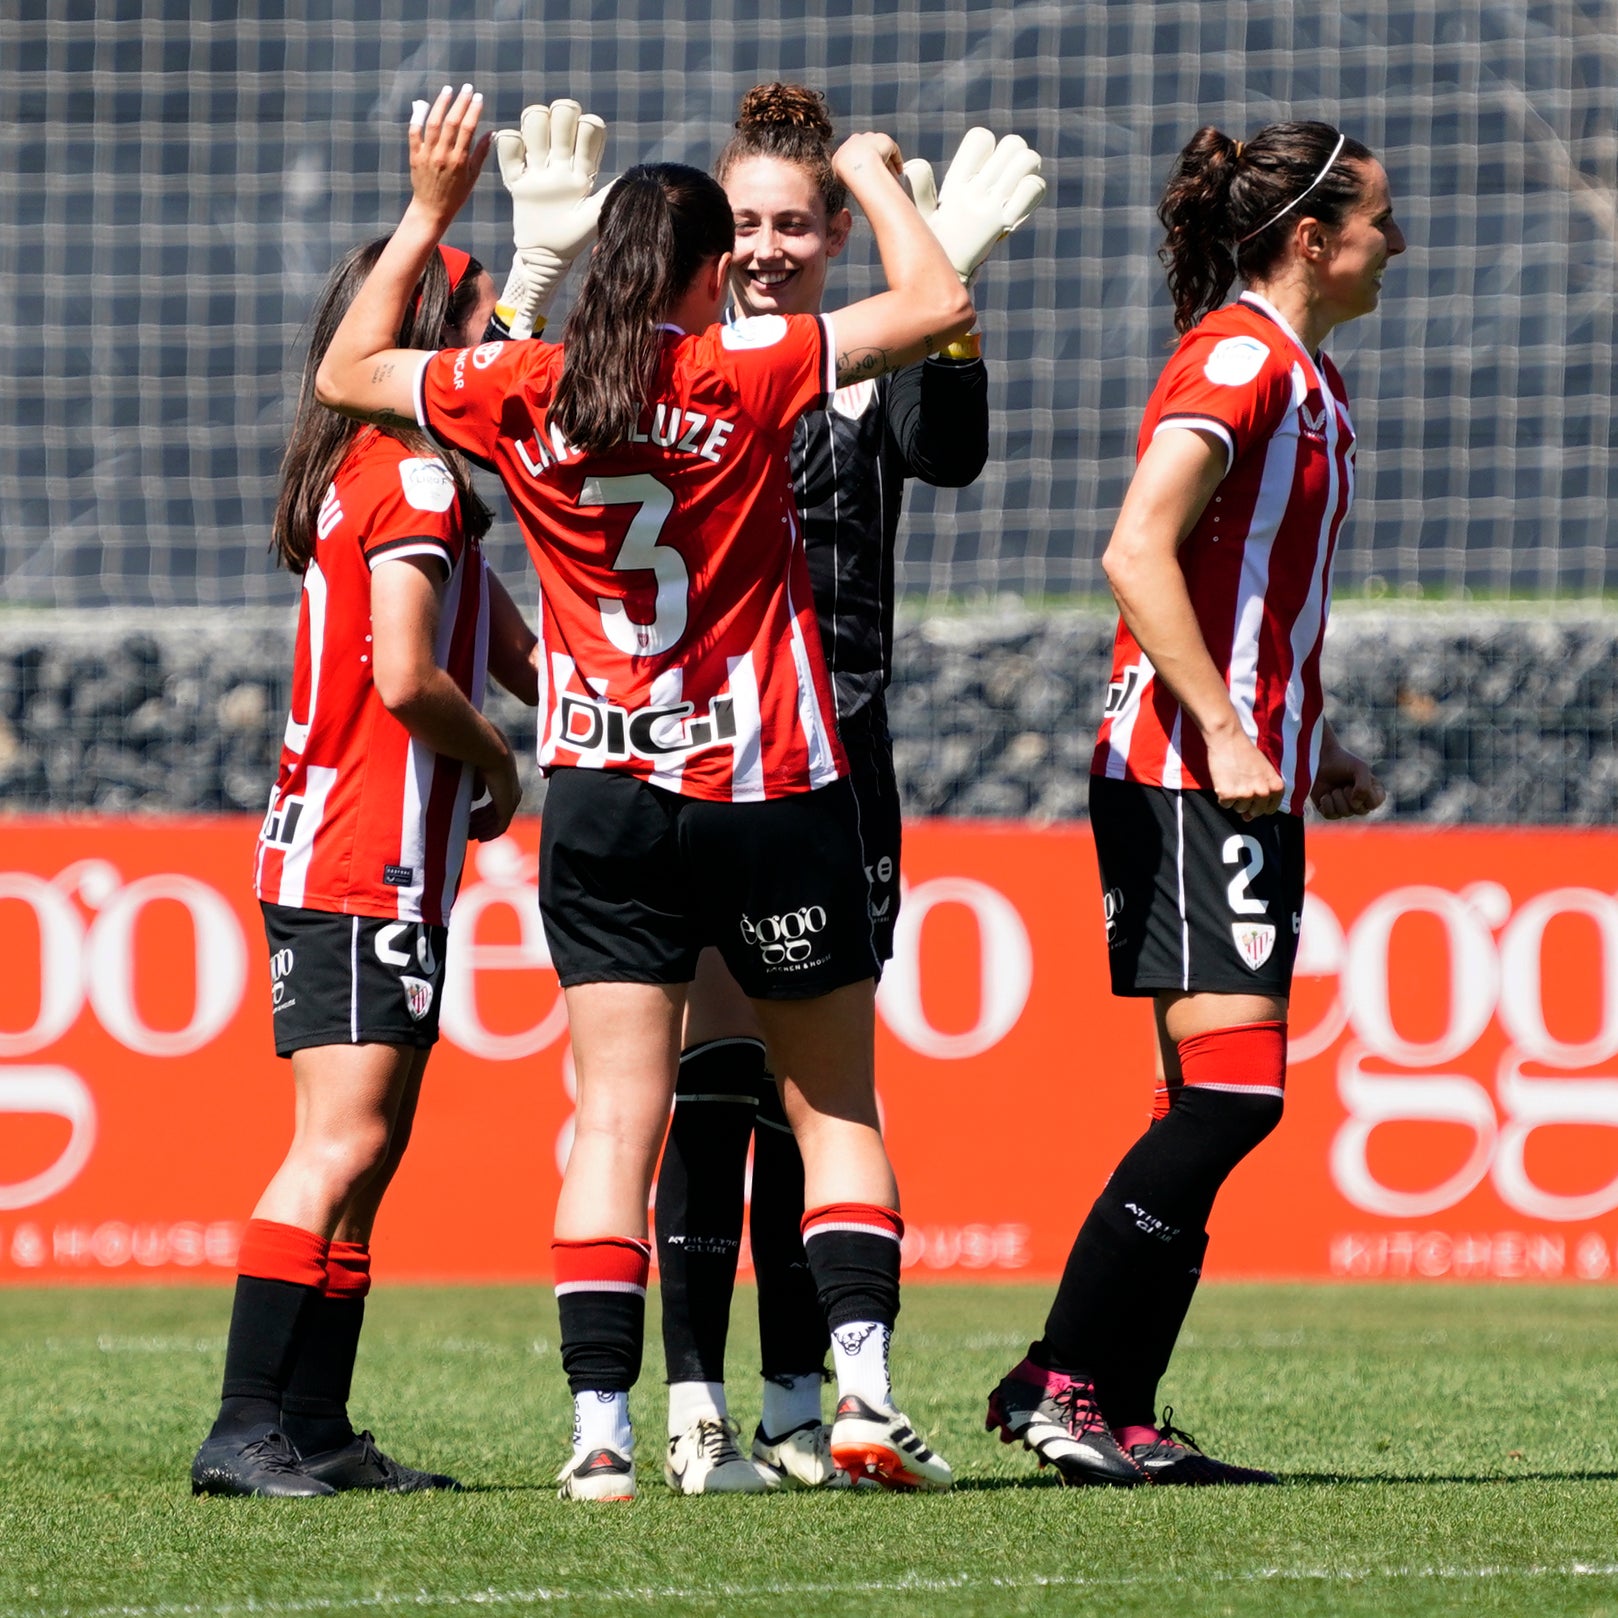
{"x":445,"y":155}
{"x":495,"y":796}
{"x":1344,"y":784}
{"x":868,"y":146}
{"x":1243,"y":779}
{"x":549,"y":166}
{"x":990,"y":189}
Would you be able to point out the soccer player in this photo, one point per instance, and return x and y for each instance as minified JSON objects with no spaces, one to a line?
{"x":849,"y":462}
{"x":1214,"y":739}
{"x":697,"y":790}
{"x":358,"y":864}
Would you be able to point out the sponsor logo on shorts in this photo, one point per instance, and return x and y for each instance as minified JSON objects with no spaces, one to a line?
{"x":280,"y":969}
{"x":398,"y":876}
{"x":418,"y":997}
{"x":1112,"y":907}
{"x":1255,"y":942}
{"x":787,"y":940}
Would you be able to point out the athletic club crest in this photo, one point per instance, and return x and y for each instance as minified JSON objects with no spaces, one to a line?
{"x":1255,"y":941}
{"x":419,"y":995}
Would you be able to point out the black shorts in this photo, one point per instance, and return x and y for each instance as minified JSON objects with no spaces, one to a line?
{"x":1195,"y":897}
{"x":352,"y":980}
{"x":869,"y":747}
{"x":634,"y":881}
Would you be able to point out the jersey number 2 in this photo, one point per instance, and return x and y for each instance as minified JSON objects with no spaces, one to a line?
{"x":641,"y":552}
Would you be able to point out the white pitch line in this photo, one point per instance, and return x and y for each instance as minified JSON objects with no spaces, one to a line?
{"x":423,"y":1600}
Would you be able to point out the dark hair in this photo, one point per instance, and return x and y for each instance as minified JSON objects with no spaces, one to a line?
{"x":790,"y":122}
{"x":660,"y":223}
{"x":321,"y":437}
{"x":1226,"y":210}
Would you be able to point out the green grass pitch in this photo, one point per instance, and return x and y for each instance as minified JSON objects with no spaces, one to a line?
{"x":1445,"y":1450}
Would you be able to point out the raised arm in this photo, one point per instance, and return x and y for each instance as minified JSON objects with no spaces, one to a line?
{"x":926,"y":306}
{"x":363,"y":373}
{"x":1174,"y":481}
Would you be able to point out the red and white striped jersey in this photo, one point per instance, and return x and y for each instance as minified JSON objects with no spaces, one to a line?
{"x":364,"y":820}
{"x":1258,"y":562}
{"x":677,"y":627}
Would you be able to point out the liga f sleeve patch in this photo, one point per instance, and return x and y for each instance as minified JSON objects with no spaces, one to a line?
{"x":426,"y":483}
{"x":1233,"y":362}
{"x":756,"y":331}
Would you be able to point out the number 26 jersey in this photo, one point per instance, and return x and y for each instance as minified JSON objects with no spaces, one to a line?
{"x":678,"y":639}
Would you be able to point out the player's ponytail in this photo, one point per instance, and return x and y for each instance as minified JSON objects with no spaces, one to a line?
{"x":1228,"y":205}
{"x":789,"y":122}
{"x":660,"y":223}
{"x":321,"y":437}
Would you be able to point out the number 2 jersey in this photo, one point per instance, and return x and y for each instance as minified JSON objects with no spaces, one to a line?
{"x":1258,"y":562}
{"x":677,"y":628}
{"x":364,"y":820}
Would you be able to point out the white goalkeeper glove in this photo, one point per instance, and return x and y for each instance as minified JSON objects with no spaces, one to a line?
{"x":990,"y":189}
{"x":549,"y":166}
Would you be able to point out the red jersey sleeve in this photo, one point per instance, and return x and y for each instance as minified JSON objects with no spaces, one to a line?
{"x":470,"y":398}
{"x":1235,"y":387}
{"x":780,"y":365}
{"x":406,"y":505}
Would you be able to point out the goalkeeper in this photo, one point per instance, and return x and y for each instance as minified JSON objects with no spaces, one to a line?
{"x":848,"y":466}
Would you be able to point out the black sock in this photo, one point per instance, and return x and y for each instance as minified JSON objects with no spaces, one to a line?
{"x":1147,"y":1221}
{"x":792,"y":1333}
{"x":853,"y":1250}
{"x":601,"y":1299}
{"x":266,"y":1323}
{"x":1127,"y":1389}
{"x":701,"y":1186}
{"x":314,"y":1408}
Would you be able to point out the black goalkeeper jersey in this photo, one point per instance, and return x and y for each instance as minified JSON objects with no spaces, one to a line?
{"x":849,"y":463}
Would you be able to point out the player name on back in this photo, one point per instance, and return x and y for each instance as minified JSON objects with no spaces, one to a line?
{"x":669,"y":426}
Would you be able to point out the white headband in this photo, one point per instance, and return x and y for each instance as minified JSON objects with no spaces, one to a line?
{"x":1300,"y":196}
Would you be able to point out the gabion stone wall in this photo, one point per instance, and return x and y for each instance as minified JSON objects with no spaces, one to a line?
{"x":1472,"y":716}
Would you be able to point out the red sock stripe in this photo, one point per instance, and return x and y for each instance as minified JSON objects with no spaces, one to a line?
{"x":607,"y":1264}
{"x":348,"y":1270}
{"x":867,"y":1218}
{"x":1252,"y":1057}
{"x":273,"y":1252}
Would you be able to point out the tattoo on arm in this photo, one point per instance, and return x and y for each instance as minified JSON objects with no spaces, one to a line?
{"x":381,"y":373}
{"x":856,"y":365}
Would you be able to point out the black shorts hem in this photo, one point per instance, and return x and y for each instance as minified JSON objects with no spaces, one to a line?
{"x":315,"y":1038}
{"x":580,"y":976}
{"x":816,"y":990}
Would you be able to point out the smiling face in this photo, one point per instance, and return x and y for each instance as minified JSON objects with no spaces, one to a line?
{"x":784,"y":240}
{"x":1348,"y":276}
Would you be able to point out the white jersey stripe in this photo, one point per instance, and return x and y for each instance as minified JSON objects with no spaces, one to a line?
{"x":1275,"y":490}
{"x":1310,"y":622}
{"x":295,"y":863}
{"x":747,"y":753}
{"x":1128,"y":711}
{"x":668,"y":691}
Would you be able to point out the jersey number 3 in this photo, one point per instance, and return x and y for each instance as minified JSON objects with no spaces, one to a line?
{"x":640,"y":552}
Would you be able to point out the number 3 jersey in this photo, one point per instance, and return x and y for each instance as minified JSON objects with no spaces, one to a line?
{"x":677,"y":628}
{"x":1258,"y":561}
{"x":365,"y":820}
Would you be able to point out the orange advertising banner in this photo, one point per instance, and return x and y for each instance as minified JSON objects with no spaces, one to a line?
{"x":1452,"y":1104}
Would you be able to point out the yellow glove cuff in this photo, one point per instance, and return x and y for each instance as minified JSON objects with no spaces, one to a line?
{"x":969,"y":347}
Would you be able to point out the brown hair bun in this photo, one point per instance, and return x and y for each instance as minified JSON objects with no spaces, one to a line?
{"x":794,"y":105}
